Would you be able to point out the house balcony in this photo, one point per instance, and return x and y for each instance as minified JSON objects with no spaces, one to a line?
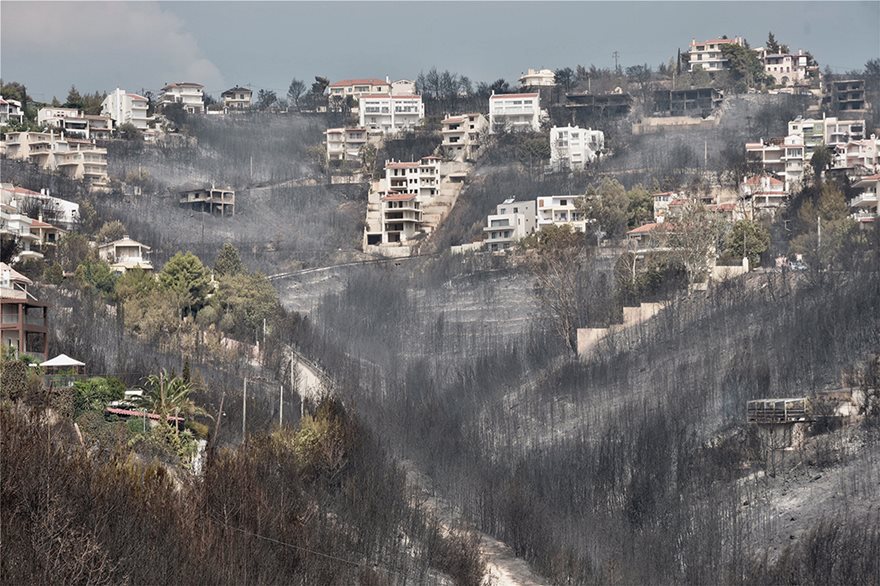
{"x":864,"y":216}
{"x":867,"y":199}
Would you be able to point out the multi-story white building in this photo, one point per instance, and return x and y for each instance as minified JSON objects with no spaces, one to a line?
{"x":359,"y":87}
{"x":15,"y":225}
{"x":54,"y":116}
{"x":74,"y":124}
{"x":190,"y":95}
{"x":789,"y":69}
{"x":237,"y":98}
{"x":859,"y":154}
{"x":421,"y":178}
{"x":462,"y":135}
{"x":829,"y":131}
{"x":126,"y":108}
{"x":572,"y":147}
{"x":401,"y":217}
{"x":60,"y":211}
{"x":707,"y":56}
{"x":537,"y":78}
{"x":561,"y":210}
{"x":512,"y":221}
{"x":764,"y":191}
{"x":346,"y":144}
{"x":390,"y":114}
{"x":514,"y":112}
{"x":77,"y":159}
{"x":661,"y":204}
{"x":784,"y":158}
{"x":10,"y":111}
{"x":866,"y":205}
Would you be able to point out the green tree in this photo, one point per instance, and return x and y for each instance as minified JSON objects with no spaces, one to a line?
{"x":641,"y":206}
{"x":692,"y":237}
{"x":110,"y":231}
{"x":747,"y":238}
{"x":74,"y":99}
{"x":746,"y":68}
{"x":96,"y":274}
{"x":821,"y":160}
{"x":128,"y":131}
{"x":608,"y":204}
{"x":185,"y":277}
{"x":134,"y":283}
{"x":228,"y":261}
{"x":772,"y":45}
{"x":72,"y":250}
{"x":265,"y":99}
{"x":247,"y":300}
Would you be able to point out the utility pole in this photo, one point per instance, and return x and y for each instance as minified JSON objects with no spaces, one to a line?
{"x":615,"y":54}
{"x":280,"y":405}
{"x":244,"y":410}
{"x":819,"y":230}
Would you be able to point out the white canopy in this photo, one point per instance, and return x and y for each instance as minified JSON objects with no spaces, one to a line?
{"x":62,"y":361}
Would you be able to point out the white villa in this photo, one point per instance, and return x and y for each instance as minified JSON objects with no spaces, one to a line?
{"x":126,"y":108}
{"x":866,"y":205}
{"x":125,"y":254}
{"x":10,"y":111}
{"x":512,"y":221}
{"x":77,"y":159}
{"x":706,"y":55}
{"x":389,"y":113}
{"x":190,"y":95}
{"x":572,"y":147}
{"x":561,"y":210}
{"x":514,"y":112}
{"x":537,"y":78}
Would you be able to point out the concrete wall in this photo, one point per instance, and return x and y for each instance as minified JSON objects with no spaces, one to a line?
{"x":650,"y":125}
{"x":589,"y":338}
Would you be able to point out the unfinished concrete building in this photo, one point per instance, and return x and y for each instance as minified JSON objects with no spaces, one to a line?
{"x":687,"y":102}
{"x":214,"y":200}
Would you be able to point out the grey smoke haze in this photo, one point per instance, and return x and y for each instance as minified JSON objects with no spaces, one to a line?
{"x":98,"y":46}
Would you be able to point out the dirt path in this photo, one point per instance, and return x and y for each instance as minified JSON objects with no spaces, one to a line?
{"x":503,"y":568}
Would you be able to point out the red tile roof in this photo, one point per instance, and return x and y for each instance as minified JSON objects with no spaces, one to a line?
{"x":182,"y":84}
{"x":348,"y":82}
{"x":756,"y":180}
{"x":137,"y":97}
{"x":510,"y":96}
{"x":129,"y":412}
{"x":396,"y":97}
{"x":399,"y":197}
{"x":400,"y":165}
{"x":646,"y":228}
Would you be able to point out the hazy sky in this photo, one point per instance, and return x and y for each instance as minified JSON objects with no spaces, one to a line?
{"x":101,"y":45}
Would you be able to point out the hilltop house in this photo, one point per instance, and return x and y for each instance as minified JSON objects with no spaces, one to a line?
{"x":846,"y":95}
{"x":74,"y":124}
{"x":77,"y":159}
{"x":764,"y":192}
{"x":359,"y":87}
{"x":24,"y":325}
{"x":53,"y":209}
{"x":190,"y":95}
{"x":462,"y":135}
{"x":514,"y":112}
{"x":512,"y":221}
{"x":537,"y":78}
{"x":572,"y":147}
{"x":790,"y":69}
{"x":783,"y":158}
{"x":126,"y":108}
{"x":707,"y":55}
{"x":859,"y":155}
{"x":390,"y":114}
{"x":237,"y":98}
{"x":830,"y":131}
{"x":10,"y":111}
{"x":125,"y":254}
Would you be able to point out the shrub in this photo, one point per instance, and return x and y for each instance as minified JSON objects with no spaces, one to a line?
{"x":93,"y":394}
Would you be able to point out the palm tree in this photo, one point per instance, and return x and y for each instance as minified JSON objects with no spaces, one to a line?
{"x":167,"y":395}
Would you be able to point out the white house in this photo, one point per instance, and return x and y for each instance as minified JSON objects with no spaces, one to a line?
{"x":537,"y":78}
{"x":866,"y":205}
{"x":63,"y":212}
{"x":764,"y":191}
{"x":14,"y":224}
{"x":53,"y":116}
{"x":859,"y":154}
{"x":661,"y":204}
{"x":345,"y":144}
{"x":403,"y":87}
{"x":462,"y":135}
{"x":77,"y":159}
{"x":190,"y":95}
{"x":512,"y":221}
{"x":572,"y":147}
{"x":561,"y":210}
{"x":237,"y":98}
{"x":10,"y":111}
{"x":74,"y":124}
{"x":706,"y":55}
{"x":390,"y":114}
{"x":784,"y":158}
{"x":359,"y":87}
{"x":789,"y":69}
{"x":125,"y":254}
{"x":829,"y":131}
{"x":421,"y":177}
{"x":126,"y":108}
{"x":514,"y":112}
